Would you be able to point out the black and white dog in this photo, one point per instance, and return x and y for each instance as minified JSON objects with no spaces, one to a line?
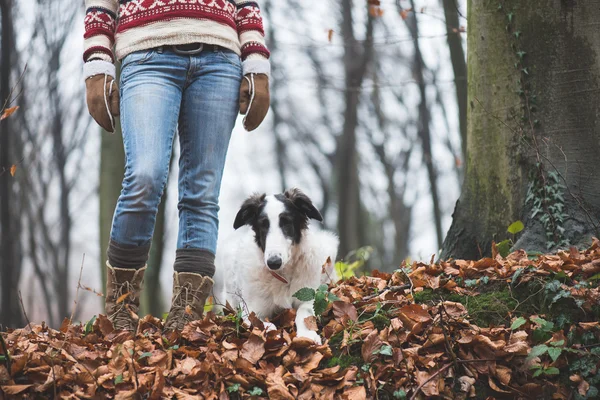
{"x":271,"y":255}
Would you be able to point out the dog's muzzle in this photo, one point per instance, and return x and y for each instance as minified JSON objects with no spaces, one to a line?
{"x":274,"y":262}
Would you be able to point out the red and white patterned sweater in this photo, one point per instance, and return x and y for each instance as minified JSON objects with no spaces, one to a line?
{"x":132,"y":25}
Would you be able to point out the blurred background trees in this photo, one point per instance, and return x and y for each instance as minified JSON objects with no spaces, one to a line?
{"x":368,"y":117}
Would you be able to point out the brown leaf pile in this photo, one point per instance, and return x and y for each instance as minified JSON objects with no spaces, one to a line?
{"x":419,"y":351}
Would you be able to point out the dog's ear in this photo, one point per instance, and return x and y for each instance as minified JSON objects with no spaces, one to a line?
{"x":249,"y":210}
{"x":303,"y":203}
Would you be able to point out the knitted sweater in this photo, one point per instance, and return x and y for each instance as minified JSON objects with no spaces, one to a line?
{"x":132,"y":25}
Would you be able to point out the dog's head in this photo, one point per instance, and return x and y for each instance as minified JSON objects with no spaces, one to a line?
{"x":278,"y":223}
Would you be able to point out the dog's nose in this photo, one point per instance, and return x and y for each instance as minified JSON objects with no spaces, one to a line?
{"x":274,"y":262}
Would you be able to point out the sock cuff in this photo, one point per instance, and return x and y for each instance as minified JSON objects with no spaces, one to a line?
{"x":126,"y":256}
{"x":199,"y":261}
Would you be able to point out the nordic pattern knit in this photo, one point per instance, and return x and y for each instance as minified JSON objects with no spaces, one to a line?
{"x":132,"y":25}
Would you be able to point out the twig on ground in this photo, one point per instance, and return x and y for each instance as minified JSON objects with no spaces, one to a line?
{"x":77,"y":291}
{"x":445,"y":367}
{"x":23,"y":309}
{"x":388,"y":289}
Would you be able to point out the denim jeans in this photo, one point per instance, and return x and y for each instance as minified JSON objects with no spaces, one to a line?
{"x":161,"y":91}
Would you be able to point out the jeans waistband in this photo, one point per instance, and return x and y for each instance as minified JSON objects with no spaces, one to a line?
{"x":189,"y":48}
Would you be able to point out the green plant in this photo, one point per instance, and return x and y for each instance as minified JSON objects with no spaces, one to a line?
{"x":321,"y":297}
{"x":545,"y":194}
{"x":89,"y":325}
{"x":346,"y":270}
{"x":505,"y":245}
{"x":237,"y":318}
{"x":255,"y":391}
{"x":233,"y":388}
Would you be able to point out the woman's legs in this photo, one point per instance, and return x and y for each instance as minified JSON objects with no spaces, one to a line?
{"x":208,"y":112}
{"x":151,"y":88}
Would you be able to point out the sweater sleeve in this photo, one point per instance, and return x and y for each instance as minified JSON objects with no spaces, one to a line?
{"x":255,"y":55}
{"x":100,"y":24}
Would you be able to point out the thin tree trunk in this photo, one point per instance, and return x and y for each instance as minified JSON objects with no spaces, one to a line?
{"x":423,"y":128}
{"x":10,"y":263}
{"x":112,"y":167}
{"x":280,"y":148}
{"x":530,"y":127}
{"x":356,"y":61}
{"x":459,"y":66}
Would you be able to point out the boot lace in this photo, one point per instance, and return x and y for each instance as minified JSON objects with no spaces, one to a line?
{"x":184,"y":297}
{"x":121,"y":317}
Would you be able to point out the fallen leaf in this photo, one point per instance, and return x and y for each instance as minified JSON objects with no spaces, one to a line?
{"x":123,"y":297}
{"x":8,"y":112}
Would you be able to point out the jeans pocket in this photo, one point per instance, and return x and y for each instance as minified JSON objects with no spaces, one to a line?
{"x":231,"y":57}
{"x":137,"y":58}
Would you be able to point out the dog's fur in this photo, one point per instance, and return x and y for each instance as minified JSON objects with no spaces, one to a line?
{"x":272,"y":234}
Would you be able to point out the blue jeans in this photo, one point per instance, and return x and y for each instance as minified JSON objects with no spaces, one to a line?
{"x":161,"y":91}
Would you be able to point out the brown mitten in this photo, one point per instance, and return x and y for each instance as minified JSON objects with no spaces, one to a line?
{"x":254,"y":99}
{"x":102,"y":96}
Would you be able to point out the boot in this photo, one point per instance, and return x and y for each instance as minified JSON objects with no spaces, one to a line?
{"x":190,"y":292}
{"x":122,"y":302}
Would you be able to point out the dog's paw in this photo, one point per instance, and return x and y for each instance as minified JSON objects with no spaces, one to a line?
{"x":312,"y":335}
{"x":269,"y":326}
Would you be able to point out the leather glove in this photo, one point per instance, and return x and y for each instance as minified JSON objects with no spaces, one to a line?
{"x":100,"y":91}
{"x":254,"y":99}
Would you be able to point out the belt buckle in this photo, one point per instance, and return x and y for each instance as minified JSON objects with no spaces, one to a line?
{"x":192,"y":52}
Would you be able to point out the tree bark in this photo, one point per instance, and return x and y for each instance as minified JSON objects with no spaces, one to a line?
{"x":112,"y":167}
{"x":533,"y":107}
{"x":423,"y":127}
{"x":10,"y":262}
{"x":355,"y":61}
{"x":459,"y":66}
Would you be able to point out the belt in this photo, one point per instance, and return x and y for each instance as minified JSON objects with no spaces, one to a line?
{"x":189,"y":49}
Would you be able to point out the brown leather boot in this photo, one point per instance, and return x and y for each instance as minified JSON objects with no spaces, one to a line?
{"x":122,"y":301}
{"x":190,"y":292}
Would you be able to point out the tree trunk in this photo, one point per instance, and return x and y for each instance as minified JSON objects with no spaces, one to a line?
{"x":459,"y":66}
{"x":356,"y":61}
{"x":10,"y":262}
{"x":423,"y":127}
{"x":533,"y":133}
{"x":112,"y":167}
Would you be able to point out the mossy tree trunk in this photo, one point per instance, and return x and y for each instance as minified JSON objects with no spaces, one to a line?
{"x":533,"y":126}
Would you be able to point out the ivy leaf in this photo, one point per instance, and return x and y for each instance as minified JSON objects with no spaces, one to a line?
{"x":519,"y":322}
{"x":255,"y":391}
{"x":551,"y":371}
{"x":385,"y":350}
{"x":554,"y":353}
{"x":320,"y":303}
{"x":145,"y":354}
{"x":119,"y":379}
{"x":305,"y":294}
{"x":399,"y":394}
{"x":538,"y":351}
{"x":516,"y":227}
{"x":233,"y":388}
{"x":504,"y":248}
{"x":537,"y":373}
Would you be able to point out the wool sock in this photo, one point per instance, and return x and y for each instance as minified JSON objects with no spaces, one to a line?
{"x":127,"y":257}
{"x":198,"y":261}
